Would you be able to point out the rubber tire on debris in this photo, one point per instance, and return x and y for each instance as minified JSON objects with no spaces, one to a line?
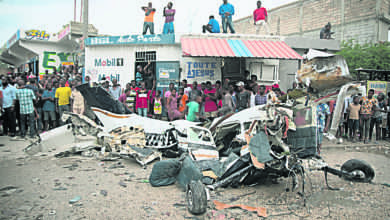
{"x":358,"y":165}
{"x":196,"y":198}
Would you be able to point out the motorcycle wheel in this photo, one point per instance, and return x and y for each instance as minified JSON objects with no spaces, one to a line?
{"x":362,"y":171}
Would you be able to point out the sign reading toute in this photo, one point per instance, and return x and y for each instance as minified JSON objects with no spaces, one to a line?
{"x":109,"y":62}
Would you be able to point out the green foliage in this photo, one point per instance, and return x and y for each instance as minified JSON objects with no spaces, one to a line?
{"x":366,"y":56}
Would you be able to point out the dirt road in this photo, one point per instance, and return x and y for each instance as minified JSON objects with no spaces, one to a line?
{"x":41,"y":187}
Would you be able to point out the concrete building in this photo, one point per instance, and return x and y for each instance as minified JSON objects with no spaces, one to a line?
{"x":37,"y":51}
{"x":195,"y":57}
{"x":362,"y":20}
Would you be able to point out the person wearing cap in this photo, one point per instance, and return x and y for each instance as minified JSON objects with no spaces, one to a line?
{"x":243,"y":97}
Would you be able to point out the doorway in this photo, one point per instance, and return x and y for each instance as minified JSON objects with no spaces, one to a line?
{"x":143,"y":58}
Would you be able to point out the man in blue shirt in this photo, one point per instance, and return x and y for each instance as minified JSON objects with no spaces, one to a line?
{"x":212,"y":26}
{"x":227,"y":11}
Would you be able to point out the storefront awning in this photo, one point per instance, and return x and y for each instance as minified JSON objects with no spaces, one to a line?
{"x":217,"y":47}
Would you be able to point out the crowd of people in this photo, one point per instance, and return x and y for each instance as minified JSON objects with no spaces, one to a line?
{"x":36,"y":105}
{"x":29,"y":104}
{"x":361,"y":114}
{"x":195,"y":102}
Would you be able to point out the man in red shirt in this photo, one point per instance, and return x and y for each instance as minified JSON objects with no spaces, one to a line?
{"x":142,"y":101}
{"x":260,"y":18}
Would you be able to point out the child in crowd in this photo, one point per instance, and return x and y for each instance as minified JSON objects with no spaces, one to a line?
{"x":142,"y":99}
{"x":157,"y":105}
{"x":183,"y":100}
{"x":353,"y":121}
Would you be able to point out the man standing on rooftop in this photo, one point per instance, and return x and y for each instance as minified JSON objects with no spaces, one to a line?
{"x":260,"y":18}
{"x":169,"y":15}
{"x":227,"y":11}
{"x":149,"y":16}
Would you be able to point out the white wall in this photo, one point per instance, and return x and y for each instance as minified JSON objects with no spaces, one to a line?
{"x":124,"y":73}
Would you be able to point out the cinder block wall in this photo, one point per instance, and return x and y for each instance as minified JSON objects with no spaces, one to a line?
{"x":350,"y":19}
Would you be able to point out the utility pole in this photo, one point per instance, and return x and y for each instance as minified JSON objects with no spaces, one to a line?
{"x":74,"y":13}
{"x":85,"y":19}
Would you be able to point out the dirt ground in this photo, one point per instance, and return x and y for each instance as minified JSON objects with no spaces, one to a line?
{"x":41,"y":187}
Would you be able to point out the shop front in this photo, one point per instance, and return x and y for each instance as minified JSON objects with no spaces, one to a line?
{"x":234,"y":57}
{"x":118,"y":57}
{"x":37,"y":51}
{"x":198,"y":58}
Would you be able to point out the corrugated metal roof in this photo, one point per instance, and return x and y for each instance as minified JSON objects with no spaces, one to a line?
{"x":217,"y":47}
{"x":199,"y":47}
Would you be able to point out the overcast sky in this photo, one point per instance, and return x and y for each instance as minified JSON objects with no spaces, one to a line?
{"x":114,"y":17}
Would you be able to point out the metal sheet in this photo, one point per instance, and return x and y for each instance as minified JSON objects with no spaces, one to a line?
{"x":239,"y":48}
{"x":216,"y":47}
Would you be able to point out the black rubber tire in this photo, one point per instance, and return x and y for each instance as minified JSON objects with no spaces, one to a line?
{"x":196,"y":198}
{"x":358,"y":165}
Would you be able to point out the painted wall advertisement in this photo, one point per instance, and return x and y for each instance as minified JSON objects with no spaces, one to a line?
{"x":50,"y":59}
{"x":378,"y":86}
{"x":201,"y":69}
{"x":107,"y":68}
{"x":37,"y":35}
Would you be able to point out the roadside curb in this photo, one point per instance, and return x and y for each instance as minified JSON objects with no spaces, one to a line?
{"x":356,"y":146}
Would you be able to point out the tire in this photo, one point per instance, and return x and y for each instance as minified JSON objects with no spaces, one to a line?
{"x":360,"y":166}
{"x":196,"y":198}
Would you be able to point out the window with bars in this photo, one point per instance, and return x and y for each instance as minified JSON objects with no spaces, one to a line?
{"x":145,"y":56}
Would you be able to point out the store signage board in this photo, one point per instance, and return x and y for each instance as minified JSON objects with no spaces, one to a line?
{"x":131,"y":39}
{"x":64,"y":32}
{"x":13,"y":39}
{"x":378,"y":87}
{"x":37,"y":35}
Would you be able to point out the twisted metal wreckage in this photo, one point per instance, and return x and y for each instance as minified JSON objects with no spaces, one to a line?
{"x":277,"y":139}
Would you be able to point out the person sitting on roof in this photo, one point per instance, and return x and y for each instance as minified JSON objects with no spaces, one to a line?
{"x":325,"y":32}
{"x":212,"y":26}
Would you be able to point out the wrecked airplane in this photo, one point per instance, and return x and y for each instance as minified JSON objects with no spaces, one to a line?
{"x":237,"y":149}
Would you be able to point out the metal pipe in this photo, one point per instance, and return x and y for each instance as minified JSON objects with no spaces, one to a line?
{"x":85,"y":19}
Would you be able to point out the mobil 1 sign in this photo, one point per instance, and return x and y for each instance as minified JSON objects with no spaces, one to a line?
{"x":108,"y":62}
{"x":201,"y":69}
{"x":103,"y":67}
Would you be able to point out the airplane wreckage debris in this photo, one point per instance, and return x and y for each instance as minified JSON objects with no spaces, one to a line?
{"x":274,"y":140}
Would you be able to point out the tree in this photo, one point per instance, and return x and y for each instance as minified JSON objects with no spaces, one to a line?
{"x":366,"y":56}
